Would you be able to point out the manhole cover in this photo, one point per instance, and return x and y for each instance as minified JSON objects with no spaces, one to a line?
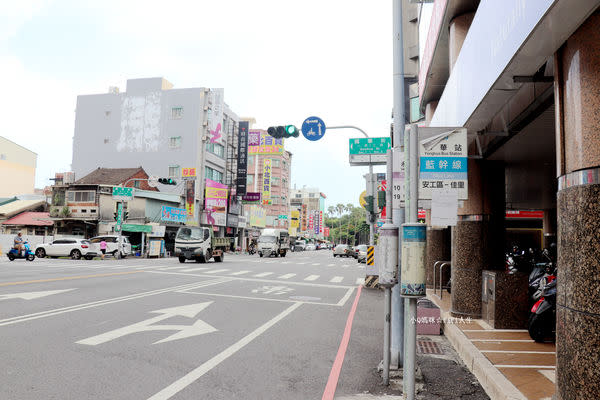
{"x":428,"y":347}
{"x":305,"y":298}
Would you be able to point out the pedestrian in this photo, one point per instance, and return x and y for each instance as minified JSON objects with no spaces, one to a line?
{"x":103,"y":248}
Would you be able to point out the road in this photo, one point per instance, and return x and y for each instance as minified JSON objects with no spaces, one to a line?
{"x":246,"y":328}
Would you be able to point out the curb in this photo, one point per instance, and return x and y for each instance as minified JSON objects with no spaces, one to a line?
{"x":495,"y":384}
{"x":371,"y":282}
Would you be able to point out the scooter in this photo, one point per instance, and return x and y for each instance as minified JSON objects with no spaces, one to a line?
{"x":27,"y":254}
{"x":542,"y":319}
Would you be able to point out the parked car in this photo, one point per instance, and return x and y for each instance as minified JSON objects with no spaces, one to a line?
{"x":112,"y":242}
{"x":74,"y":248}
{"x":361,"y":253}
{"x":310,"y":247}
{"x":341,"y":250}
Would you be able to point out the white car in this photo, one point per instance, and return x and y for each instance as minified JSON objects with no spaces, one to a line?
{"x":310,"y":247}
{"x":112,"y":244}
{"x":341,"y":250}
{"x":74,"y":248}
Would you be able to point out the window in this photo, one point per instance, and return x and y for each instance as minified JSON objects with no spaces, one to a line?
{"x":284,"y":164}
{"x":81,"y":197}
{"x":275,"y":199}
{"x":213,"y":174}
{"x":175,"y":142}
{"x":298,"y":196}
{"x":174,"y":171}
{"x":176,"y":112}
{"x":275,"y":163}
{"x":275,"y":181}
{"x":311,"y":195}
{"x":136,"y":184}
{"x":216,"y":149}
{"x":250,"y":180}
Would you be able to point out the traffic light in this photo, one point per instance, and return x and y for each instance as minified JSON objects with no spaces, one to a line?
{"x":369,"y":206}
{"x":167,"y":181}
{"x":125,"y":215}
{"x":283,"y":131}
{"x":116,"y":215}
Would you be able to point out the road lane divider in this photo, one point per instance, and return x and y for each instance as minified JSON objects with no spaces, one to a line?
{"x":67,"y":278}
{"x":78,"y":307}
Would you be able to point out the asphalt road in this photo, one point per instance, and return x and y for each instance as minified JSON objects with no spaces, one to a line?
{"x":246,"y":328}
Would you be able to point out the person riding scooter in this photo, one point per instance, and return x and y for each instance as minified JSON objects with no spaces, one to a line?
{"x":18,"y":243}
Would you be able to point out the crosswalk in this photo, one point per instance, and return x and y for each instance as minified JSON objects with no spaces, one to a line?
{"x":212,"y":270}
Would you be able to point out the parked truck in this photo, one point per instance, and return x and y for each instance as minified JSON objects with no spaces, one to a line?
{"x":199,"y":244}
{"x":273,"y":242}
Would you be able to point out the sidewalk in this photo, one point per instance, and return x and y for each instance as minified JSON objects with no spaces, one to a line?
{"x":441,"y":374}
{"x":508,"y":364}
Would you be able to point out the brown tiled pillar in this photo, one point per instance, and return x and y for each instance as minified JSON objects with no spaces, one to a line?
{"x":577,"y":93}
{"x":459,"y":26}
{"x":478,"y":237}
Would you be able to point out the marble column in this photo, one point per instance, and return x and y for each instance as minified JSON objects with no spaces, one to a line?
{"x":437,"y":249}
{"x":459,"y":26}
{"x":577,"y":94}
{"x":478,"y":237}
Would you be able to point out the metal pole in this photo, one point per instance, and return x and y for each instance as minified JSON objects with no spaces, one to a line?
{"x":386,"y":336}
{"x":411,"y":315}
{"x":371,"y":223}
{"x":398,"y":140}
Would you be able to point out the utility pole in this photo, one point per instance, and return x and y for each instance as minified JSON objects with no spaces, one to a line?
{"x":398,"y":214}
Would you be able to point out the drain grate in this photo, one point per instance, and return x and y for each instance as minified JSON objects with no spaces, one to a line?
{"x":428,"y":347}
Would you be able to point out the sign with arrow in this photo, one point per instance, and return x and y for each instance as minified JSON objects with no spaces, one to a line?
{"x":31,"y":295}
{"x":313,"y":128}
{"x":183,"y":331}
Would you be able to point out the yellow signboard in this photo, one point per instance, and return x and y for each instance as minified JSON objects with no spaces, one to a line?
{"x":266,"y":183}
{"x":362,"y":199}
{"x":295,"y":223}
{"x":188,"y":172}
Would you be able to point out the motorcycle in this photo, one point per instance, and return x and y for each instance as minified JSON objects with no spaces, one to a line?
{"x":542,"y":319}
{"x":27,"y":254}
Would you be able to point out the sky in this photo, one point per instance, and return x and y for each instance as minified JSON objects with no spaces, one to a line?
{"x":278,"y":62}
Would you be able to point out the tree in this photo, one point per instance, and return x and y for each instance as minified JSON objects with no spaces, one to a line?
{"x":340,"y":210}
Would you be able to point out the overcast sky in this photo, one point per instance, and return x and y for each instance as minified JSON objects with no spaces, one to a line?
{"x":278,"y":61}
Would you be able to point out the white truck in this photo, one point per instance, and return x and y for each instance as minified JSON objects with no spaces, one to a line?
{"x":199,"y":244}
{"x":273,"y":242}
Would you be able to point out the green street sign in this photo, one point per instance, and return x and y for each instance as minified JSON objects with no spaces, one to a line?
{"x":137,"y":228}
{"x":379,"y":145}
{"x":282,"y":216}
{"x":122,"y":193}
{"x":119,"y":217}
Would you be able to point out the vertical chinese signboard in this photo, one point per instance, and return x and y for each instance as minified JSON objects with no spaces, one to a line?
{"x":215,"y":204}
{"x":311,"y":222}
{"x":304,"y":218}
{"x":190,"y":200}
{"x":317,"y":222}
{"x":242,"y":158}
{"x":266,"y":183}
{"x":295,"y":221}
{"x":216,"y":116}
{"x":321,"y":222}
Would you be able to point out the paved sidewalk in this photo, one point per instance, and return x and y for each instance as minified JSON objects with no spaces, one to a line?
{"x":439,"y":376}
{"x":507,"y":362}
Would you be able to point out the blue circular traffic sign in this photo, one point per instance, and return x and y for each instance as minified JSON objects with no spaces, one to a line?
{"x":313,"y":128}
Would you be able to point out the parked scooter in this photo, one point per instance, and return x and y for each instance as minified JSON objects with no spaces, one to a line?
{"x":542,"y":319}
{"x":26,"y":253}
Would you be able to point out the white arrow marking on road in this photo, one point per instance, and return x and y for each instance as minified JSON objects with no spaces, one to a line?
{"x":31,"y":295}
{"x":197,"y":328}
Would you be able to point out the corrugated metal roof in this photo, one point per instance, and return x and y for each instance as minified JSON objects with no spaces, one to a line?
{"x":15,"y":207}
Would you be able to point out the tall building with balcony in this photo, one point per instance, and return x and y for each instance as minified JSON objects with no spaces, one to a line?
{"x":276,"y":203}
{"x":310,"y":204}
{"x":163,"y":129}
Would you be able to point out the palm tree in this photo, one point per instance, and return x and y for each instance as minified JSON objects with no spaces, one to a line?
{"x":330,"y":212}
{"x":349,"y":207}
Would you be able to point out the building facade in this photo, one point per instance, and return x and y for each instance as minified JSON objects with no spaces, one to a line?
{"x":309,"y":203}
{"x":167,"y":131}
{"x":17,"y":169}
{"x":524,"y":79}
{"x":268,"y":154}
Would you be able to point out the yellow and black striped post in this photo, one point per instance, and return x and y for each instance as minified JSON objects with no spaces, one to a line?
{"x":371,"y":281}
{"x":370,"y":255}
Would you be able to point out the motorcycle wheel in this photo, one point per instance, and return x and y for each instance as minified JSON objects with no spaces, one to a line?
{"x":540,"y":327}
{"x":30,"y":257}
{"x":11,"y":257}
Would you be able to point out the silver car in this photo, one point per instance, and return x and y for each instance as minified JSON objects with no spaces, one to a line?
{"x":74,"y":248}
{"x":112,"y":244}
{"x":341,"y":250}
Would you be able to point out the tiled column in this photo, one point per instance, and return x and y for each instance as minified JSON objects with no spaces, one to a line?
{"x":478,"y":237}
{"x":577,"y":94}
{"x":437,"y":249}
{"x":459,"y":26}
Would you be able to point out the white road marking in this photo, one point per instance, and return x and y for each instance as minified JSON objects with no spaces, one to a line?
{"x":336,"y":279}
{"x":312,"y":277}
{"x":240,"y":273}
{"x":331,"y":265}
{"x":78,"y":307}
{"x":263,"y":274}
{"x":317,"y":264}
{"x":345,"y":266}
{"x":301,"y":263}
{"x":216,"y":271}
{"x":195,"y":374}
{"x":193,"y":269}
{"x":360,"y":281}
{"x":269,"y":262}
{"x":31,"y":295}
{"x":169,"y":268}
{"x":286,"y":262}
{"x":183,"y":331}
{"x":286,"y":276}
{"x":344,"y":299}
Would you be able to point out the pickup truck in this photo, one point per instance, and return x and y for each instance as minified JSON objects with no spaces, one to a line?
{"x":199,"y":244}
